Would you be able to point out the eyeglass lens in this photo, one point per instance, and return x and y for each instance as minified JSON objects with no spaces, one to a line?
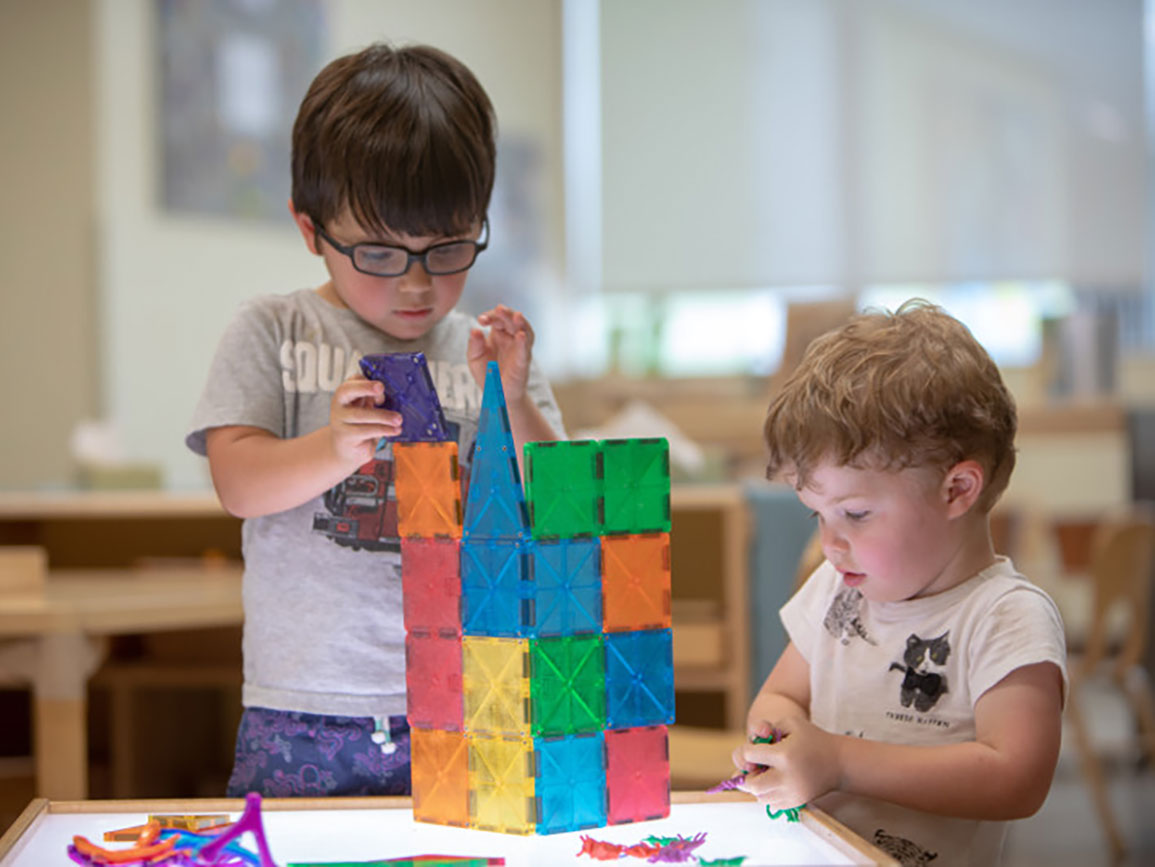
{"x":393,"y":261}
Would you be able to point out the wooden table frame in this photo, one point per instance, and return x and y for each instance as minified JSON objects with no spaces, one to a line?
{"x":827,"y":828}
{"x":55,"y":639}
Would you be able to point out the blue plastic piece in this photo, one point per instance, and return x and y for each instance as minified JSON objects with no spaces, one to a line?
{"x":570,"y":784}
{"x":567,"y":586}
{"x":495,"y":504}
{"x":639,"y":678}
{"x":496,"y":596}
{"x":196,"y":841}
{"x":409,"y":390}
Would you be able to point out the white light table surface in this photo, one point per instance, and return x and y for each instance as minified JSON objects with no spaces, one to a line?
{"x":361,"y":829}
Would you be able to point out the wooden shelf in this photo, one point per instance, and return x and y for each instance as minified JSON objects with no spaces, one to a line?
{"x":710,"y":551}
{"x":99,"y":505}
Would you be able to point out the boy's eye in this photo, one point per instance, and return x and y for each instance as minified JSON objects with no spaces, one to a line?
{"x":379,"y":255}
{"x":855,"y":516}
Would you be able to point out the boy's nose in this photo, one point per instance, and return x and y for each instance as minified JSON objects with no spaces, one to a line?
{"x":831,"y":541}
{"x":416,"y":279}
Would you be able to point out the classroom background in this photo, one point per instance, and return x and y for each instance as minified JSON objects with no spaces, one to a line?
{"x":687,"y":193}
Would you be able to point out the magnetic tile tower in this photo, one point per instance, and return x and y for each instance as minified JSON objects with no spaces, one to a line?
{"x":538,"y":643}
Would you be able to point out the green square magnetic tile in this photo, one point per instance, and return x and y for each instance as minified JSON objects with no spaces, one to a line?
{"x":564,"y":488}
{"x":567,"y":685}
{"x":636,"y":486}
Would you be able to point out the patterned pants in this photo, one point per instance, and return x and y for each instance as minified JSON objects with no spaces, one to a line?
{"x":283,"y":754}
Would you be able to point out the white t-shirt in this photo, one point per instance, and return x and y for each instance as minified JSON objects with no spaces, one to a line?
{"x":910,"y":672}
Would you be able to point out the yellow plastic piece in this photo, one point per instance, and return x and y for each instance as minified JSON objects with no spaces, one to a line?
{"x":501,"y":784}
{"x":495,"y":679}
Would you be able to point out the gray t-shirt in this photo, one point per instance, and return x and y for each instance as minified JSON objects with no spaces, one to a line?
{"x":322,"y":588}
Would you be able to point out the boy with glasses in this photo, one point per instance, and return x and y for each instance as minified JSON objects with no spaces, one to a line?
{"x":393,"y":162}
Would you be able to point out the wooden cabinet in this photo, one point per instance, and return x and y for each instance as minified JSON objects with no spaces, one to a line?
{"x":709,"y":544}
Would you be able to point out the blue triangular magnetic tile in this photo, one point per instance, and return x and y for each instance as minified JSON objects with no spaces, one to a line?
{"x":495,"y":504}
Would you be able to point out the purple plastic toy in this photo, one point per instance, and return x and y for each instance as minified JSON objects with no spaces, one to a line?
{"x":409,"y":390}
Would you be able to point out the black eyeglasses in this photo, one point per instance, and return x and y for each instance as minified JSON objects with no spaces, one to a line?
{"x":391,"y":260}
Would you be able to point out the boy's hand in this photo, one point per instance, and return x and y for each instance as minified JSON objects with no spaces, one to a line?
{"x":356,"y":422}
{"x":800,"y":767}
{"x":509,"y":342}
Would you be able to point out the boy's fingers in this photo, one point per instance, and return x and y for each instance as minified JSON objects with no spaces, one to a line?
{"x":363,"y":434}
{"x":738,"y":759}
{"x":760,"y":782}
{"x":491,"y":315}
{"x":355,"y":389}
{"x":758,"y":754}
{"x":504,"y":319}
{"x":477,"y":346}
{"x":786,"y":725}
{"x":369,"y":415}
{"x":501,"y":323}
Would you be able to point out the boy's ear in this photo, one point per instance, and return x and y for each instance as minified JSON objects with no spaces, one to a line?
{"x":961,"y":487}
{"x":306,"y":228}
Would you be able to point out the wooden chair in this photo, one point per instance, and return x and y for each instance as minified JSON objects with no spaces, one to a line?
{"x":1121,"y":564}
{"x":806,"y":320}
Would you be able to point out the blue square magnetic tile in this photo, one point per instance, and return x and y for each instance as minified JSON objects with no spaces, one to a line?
{"x":567,"y":586}
{"x":570,"y":784}
{"x":496,"y":594}
{"x":639,"y":678}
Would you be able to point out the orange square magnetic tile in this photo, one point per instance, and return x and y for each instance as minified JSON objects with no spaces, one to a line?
{"x":636,"y":582}
{"x":439,"y":763}
{"x":428,"y":489}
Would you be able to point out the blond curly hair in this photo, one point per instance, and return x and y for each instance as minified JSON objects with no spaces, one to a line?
{"x":911,"y":388}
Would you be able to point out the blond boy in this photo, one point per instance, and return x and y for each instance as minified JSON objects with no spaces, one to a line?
{"x":921,"y":692}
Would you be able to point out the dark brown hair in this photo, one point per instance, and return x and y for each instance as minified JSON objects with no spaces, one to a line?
{"x":894,"y":390}
{"x":402,"y":137}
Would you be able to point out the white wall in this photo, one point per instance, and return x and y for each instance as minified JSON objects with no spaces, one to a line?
{"x":720,"y":144}
{"x":169,"y":284}
{"x":753,"y":143}
{"x":48,"y":346}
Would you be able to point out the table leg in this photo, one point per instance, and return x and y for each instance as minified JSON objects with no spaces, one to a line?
{"x":60,"y":744}
{"x":60,"y":731}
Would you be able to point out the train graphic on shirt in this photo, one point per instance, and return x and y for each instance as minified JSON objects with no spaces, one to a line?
{"x":361,"y":511}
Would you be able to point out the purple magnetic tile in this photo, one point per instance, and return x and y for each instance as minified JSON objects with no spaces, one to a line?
{"x":409,"y":390}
